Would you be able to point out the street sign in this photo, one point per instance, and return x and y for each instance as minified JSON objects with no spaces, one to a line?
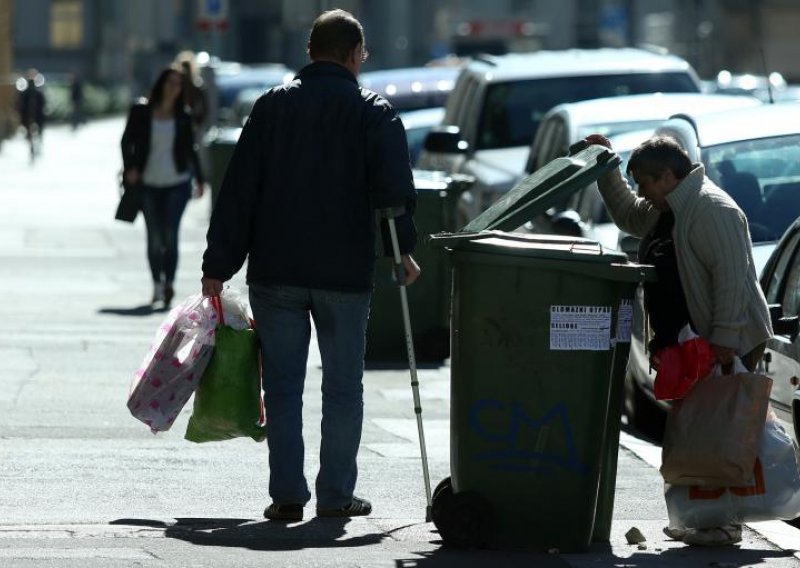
{"x":212,"y":14}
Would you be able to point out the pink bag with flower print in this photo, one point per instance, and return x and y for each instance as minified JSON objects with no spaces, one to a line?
{"x":172,"y":368}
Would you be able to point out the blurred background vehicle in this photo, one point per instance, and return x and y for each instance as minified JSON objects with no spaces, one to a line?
{"x":412,"y":88}
{"x":232,"y":78}
{"x":498,"y":102}
{"x":417,"y":124}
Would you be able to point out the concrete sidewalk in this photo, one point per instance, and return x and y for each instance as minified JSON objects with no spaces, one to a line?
{"x":83,"y":484}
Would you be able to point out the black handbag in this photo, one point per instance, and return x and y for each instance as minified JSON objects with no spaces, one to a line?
{"x":130,"y":203}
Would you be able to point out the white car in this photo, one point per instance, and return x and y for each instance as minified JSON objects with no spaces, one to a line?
{"x":567,"y":123}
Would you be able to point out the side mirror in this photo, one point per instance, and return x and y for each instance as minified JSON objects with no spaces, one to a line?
{"x":445,"y":140}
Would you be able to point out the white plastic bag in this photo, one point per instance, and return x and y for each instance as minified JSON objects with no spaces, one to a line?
{"x":172,"y":368}
{"x":774,"y":492}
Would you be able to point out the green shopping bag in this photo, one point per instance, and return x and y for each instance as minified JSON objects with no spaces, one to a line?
{"x":227,"y":402}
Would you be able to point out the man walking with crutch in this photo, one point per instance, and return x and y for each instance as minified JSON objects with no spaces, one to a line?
{"x":317,"y":158}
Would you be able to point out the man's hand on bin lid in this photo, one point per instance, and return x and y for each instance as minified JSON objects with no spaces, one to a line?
{"x":411,"y":268}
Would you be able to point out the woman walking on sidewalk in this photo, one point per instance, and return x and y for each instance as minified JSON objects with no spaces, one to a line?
{"x":159,"y":154}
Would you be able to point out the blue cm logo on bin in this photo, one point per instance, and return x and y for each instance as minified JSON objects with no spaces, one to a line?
{"x":510,"y":455}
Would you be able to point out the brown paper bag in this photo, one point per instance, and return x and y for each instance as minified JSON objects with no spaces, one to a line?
{"x":712,"y":436}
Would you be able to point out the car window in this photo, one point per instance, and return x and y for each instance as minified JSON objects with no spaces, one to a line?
{"x":788,"y":255}
{"x":763,"y":177}
{"x":513,"y":110}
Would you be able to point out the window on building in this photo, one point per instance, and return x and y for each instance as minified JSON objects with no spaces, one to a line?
{"x":66,"y":23}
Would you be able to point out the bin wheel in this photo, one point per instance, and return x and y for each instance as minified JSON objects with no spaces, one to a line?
{"x":440,"y":500}
{"x":446,"y":482}
{"x":464,"y":520}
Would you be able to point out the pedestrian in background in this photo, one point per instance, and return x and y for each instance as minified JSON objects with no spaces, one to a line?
{"x":194,"y":96}
{"x":315,"y":160}
{"x":31,"y":106}
{"x":713,"y":259}
{"x":76,"y":96}
{"x":159,"y":152}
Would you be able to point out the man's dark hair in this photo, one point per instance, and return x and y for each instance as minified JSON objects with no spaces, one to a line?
{"x":657,"y":154}
{"x":334,"y":35}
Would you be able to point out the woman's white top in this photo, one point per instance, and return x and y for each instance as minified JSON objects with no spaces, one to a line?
{"x":160,"y":170}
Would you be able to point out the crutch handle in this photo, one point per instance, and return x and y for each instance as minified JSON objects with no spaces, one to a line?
{"x":392,"y":212}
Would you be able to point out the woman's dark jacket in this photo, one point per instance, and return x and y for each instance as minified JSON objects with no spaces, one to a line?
{"x":315,"y":160}
{"x":136,"y":141}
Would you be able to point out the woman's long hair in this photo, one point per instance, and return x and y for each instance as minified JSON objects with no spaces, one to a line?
{"x":157,"y":92}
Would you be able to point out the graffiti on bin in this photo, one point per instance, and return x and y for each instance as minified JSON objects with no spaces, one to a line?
{"x":512,"y":453}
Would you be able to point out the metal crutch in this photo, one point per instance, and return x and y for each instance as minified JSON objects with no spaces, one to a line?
{"x":399,"y":273}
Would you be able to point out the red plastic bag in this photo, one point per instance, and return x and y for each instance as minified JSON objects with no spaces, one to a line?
{"x":682,"y":365}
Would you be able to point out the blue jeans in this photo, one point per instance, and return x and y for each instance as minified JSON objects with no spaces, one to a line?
{"x":163,"y":208}
{"x":284,"y":328}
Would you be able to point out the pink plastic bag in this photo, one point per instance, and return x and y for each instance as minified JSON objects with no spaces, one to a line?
{"x":172,"y":368}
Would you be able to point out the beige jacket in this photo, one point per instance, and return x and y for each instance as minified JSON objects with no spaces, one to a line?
{"x":714,"y":252}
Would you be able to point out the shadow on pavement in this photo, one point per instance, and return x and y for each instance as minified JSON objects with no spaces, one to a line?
{"x":263,"y":535}
{"x":137,"y":311}
{"x":685,"y":556}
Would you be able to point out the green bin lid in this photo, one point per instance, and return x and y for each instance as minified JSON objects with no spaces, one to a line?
{"x":551,"y":252}
{"x":539,"y":191}
{"x":550,"y":247}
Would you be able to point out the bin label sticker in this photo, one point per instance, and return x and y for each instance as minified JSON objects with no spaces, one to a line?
{"x":580,"y":328}
{"x":624,"y":321}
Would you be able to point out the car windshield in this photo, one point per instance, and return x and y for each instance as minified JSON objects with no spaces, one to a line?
{"x":514,"y":109}
{"x":763,"y":176}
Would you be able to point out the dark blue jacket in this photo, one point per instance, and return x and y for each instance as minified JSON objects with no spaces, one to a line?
{"x":315,"y":160}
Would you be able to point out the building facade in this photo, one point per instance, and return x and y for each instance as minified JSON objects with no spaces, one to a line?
{"x":112,"y":41}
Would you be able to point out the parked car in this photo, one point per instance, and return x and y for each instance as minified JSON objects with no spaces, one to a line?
{"x":754,"y":155}
{"x":780,"y":281}
{"x":233,"y":78}
{"x":417,"y":124}
{"x":584,"y":213}
{"x":567,"y":123}
{"x":412,"y":88}
{"x":498,"y":102}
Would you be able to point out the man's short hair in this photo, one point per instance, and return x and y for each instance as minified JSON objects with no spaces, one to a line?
{"x":334,"y":35}
{"x":657,"y":154}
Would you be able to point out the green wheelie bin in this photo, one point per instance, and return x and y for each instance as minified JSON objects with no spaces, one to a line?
{"x":540,"y":331}
{"x":219,"y":142}
{"x":429,"y":297}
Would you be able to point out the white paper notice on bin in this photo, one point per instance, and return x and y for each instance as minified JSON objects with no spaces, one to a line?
{"x":624,"y":321}
{"x":580,"y":328}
